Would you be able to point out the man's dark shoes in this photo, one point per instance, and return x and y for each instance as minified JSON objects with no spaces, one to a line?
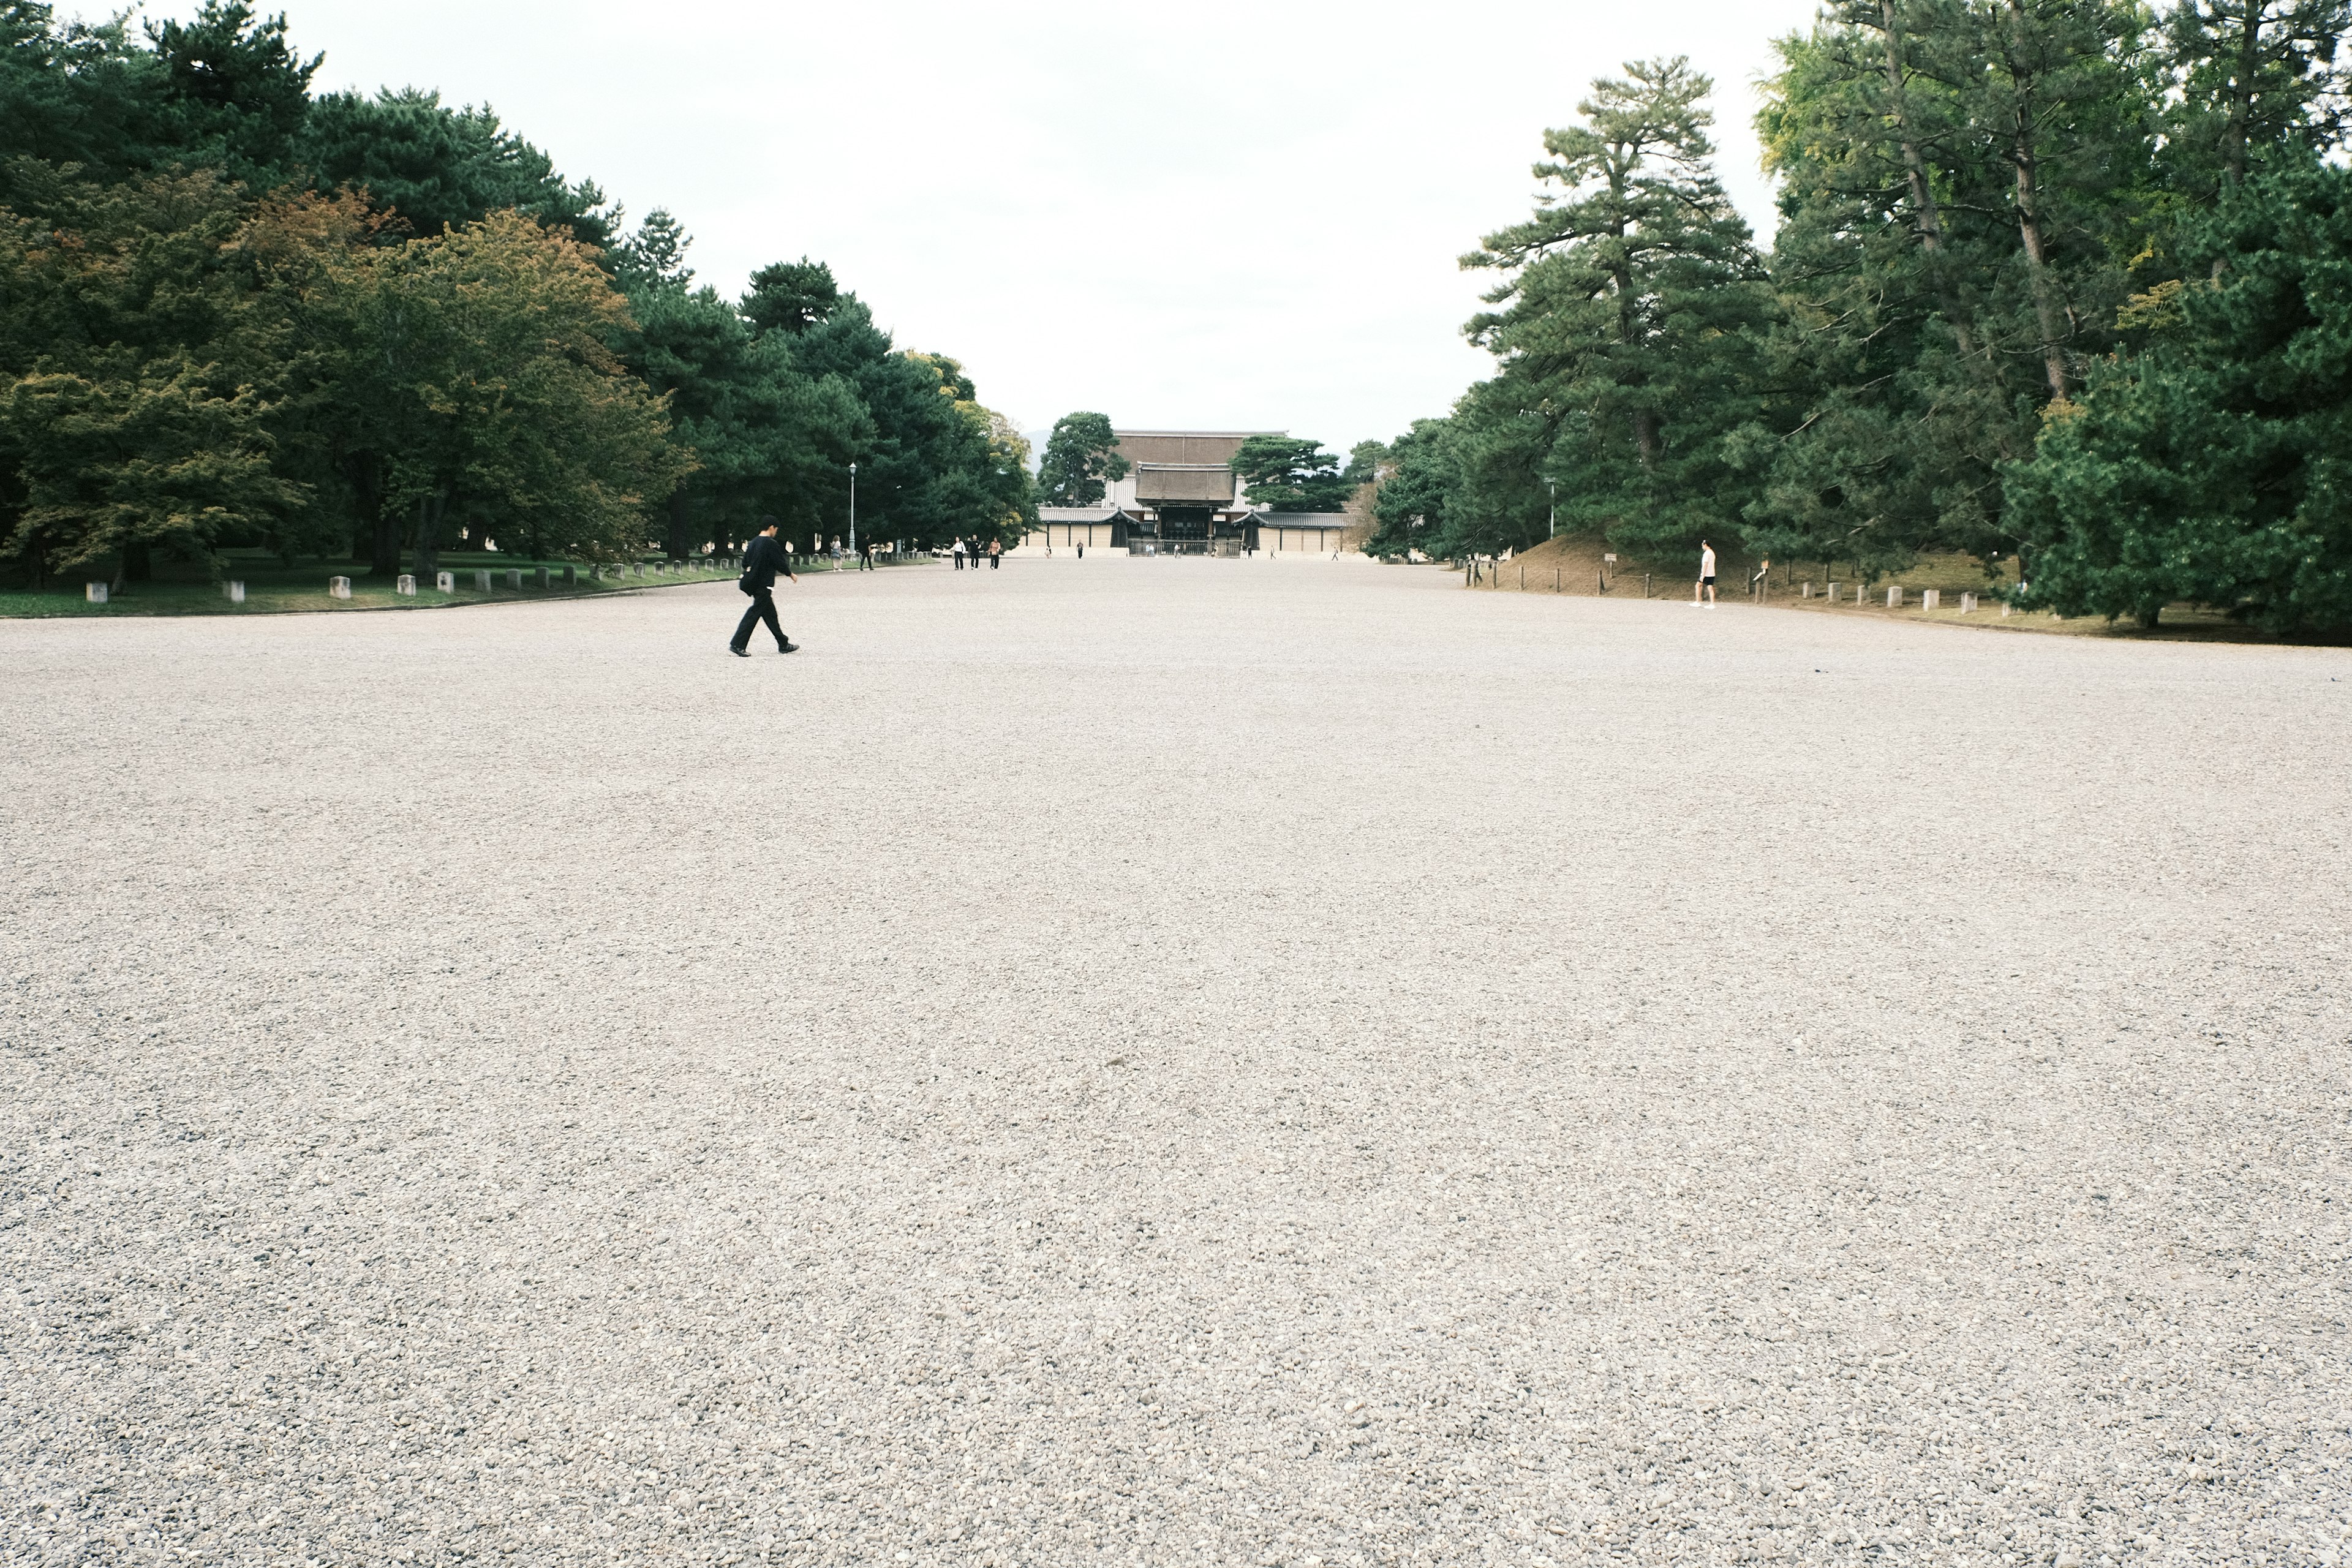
{"x":739,"y":652}
{"x":787,"y":645}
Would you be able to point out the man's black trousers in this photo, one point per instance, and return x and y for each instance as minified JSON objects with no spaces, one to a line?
{"x":763,"y":609}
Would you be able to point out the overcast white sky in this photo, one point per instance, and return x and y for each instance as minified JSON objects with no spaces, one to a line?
{"x":1211,"y":213}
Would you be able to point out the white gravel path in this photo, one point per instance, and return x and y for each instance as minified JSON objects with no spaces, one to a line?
{"x":1169,"y":1062}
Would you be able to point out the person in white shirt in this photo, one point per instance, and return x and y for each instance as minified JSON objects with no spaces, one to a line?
{"x":1705,"y":575}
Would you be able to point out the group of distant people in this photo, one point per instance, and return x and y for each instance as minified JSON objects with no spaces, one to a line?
{"x":972,"y":553}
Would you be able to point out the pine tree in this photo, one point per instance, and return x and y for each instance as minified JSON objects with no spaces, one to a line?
{"x":1959,"y":180}
{"x":2252,"y":74}
{"x":1620,"y":330}
{"x":2212,"y":468}
{"x":1081,"y":456}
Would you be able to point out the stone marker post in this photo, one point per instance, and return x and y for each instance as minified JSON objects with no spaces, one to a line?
{"x":405,"y":584}
{"x":1893,"y":598}
{"x":339,"y":588}
{"x":482,"y":581}
{"x":545,"y":580}
{"x":1931,"y":598}
{"x":514,"y":576}
{"x":571,"y":577}
{"x":1968,"y":604}
{"x":94,"y":592}
{"x":444,"y":582}
{"x":236,"y":592}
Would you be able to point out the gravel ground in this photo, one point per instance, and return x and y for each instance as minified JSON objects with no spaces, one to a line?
{"x":1169,"y":1062}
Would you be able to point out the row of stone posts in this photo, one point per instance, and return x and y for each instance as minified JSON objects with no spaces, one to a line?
{"x":1929,"y":598}
{"x":446,"y":582}
{"x":541,"y":577}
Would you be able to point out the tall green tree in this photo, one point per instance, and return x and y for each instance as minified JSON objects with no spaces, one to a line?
{"x":1411,"y":508}
{"x":489,"y":355}
{"x":439,"y":168}
{"x":2251,"y":75}
{"x":792,"y":296}
{"x":1287,"y":473}
{"x":1081,"y":457}
{"x":1621,"y":326}
{"x":1962,"y":182}
{"x":932,"y":470}
{"x":231,"y":92}
{"x":68,"y":94}
{"x":765,"y":437}
{"x":2215,"y":467}
{"x":138,"y":381}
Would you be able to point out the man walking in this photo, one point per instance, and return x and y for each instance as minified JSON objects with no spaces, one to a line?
{"x":761,"y":559}
{"x":1705,"y":575}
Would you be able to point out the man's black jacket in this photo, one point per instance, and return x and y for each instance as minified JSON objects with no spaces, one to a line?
{"x":762,"y":559}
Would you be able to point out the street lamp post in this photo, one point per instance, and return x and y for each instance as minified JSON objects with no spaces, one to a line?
{"x":1551,"y":527}
{"x":853,"y":509}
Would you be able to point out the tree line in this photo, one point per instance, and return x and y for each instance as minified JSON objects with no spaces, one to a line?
{"x":2056,"y":282}
{"x":242,"y":314}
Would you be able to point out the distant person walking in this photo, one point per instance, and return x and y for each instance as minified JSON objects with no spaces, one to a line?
{"x":995,"y":553}
{"x":1705,"y":575}
{"x":958,"y":553}
{"x":762,"y":559}
{"x":865,"y":556}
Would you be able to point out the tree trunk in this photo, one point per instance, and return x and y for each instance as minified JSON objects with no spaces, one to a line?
{"x":680,"y":520}
{"x":430,"y":510}
{"x":2234,"y":133}
{"x":382,"y":522}
{"x":385,"y":551}
{"x":381,"y":533}
{"x":138,"y":562}
{"x":1915,"y":168}
{"x":2029,"y":230}
{"x":1646,"y":420}
{"x":2028,"y":213}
